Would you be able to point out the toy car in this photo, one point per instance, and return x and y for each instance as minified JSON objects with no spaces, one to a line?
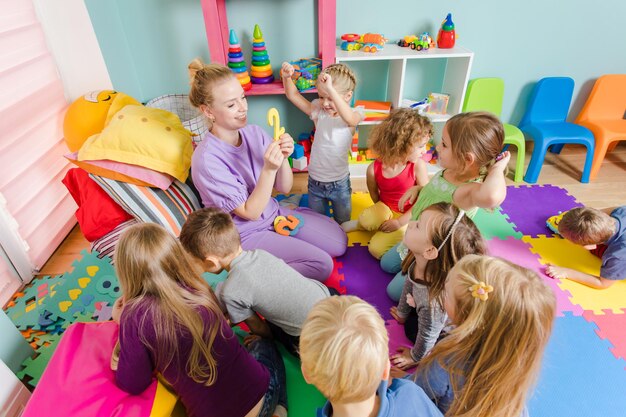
{"x":368,"y":42}
{"x":423,"y":42}
{"x":406,"y":41}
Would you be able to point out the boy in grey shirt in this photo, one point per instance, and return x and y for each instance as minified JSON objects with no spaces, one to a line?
{"x":257,"y":283}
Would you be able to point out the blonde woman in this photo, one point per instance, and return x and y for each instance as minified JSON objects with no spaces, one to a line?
{"x":238,"y":165}
{"x":489,"y":362}
{"x":171,"y":323}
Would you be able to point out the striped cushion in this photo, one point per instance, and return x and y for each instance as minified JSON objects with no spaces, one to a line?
{"x":105,"y":246}
{"x":169,"y":208}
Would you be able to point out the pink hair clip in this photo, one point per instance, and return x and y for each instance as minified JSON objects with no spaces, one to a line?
{"x":481,"y":290}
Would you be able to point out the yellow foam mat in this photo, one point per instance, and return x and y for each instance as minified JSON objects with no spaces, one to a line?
{"x":164,"y":401}
{"x":558,"y":251}
{"x":360,"y":201}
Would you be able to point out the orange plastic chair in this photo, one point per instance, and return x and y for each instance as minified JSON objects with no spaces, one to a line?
{"x":603,"y":114}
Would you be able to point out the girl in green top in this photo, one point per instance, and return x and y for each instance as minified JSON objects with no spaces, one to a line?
{"x":470,"y":178}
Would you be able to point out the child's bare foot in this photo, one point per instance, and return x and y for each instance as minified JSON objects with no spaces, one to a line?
{"x":350,"y":226}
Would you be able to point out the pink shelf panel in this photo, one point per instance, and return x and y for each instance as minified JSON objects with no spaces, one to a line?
{"x":271,"y":89}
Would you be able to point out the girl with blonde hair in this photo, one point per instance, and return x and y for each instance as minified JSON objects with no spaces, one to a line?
{"x":439,"y":239}
{"x":472,"y":174}
{"x":487,"y":365}
{"x":171,"y":324}
{"x":236,"y":167}
{"x":335,"y":123}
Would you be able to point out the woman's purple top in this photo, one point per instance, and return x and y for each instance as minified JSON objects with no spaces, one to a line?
{"x":225,"y":175}
{"x":241,"y":380}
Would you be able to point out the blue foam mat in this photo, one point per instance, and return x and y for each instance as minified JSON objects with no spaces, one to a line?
{"x":579,"y":376}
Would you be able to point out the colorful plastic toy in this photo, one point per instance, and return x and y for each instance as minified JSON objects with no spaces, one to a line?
{"x":288,"y":226}
{"x":431,"y":154}
{"x":236,"y":62}
{"x":446,"y":36}
{"x":306,"y":71}
{"x":260,"y":70}
{"x":368,"y":42}
{"x":273,"y":119}
{"x":421,"y":42}
{"x":553,"y":222}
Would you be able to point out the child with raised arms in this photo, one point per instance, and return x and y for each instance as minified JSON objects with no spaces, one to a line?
{"x":488,"y":364}
{"x":257,"y":283}
{"x":441,"y":236}
{"x":344,"y":351}
{"x":472,"y":174}
{"x":399,"y":142}
{"x":236,"y":167}
{"x":171,"y":323}
{"x":335,"y":123}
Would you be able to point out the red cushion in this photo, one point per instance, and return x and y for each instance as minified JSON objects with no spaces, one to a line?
{"x":97,"y":213}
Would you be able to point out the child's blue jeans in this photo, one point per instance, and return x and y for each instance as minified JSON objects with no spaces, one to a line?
{"x":338,"y":193}
{"x":266,"y":352}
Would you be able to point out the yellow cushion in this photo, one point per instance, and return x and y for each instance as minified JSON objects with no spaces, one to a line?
{"x":144,"y":136}
{"x":88,"y":115}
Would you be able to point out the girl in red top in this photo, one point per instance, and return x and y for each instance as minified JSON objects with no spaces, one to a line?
{"x":399,"y":142}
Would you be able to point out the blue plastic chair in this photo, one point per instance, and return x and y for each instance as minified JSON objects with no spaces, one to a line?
{"x":544,"y":122}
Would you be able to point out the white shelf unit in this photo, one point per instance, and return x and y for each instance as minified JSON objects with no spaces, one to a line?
{"x":456,"y":74}
{"x":455,"y":63}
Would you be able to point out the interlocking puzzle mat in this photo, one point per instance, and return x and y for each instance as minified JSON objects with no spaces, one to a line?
{"x":560,"y":251}
{"x":611,"y":327}
{"x":520,"y":252}
{"x":529,"y":206}
{"x":583,"y":370}
{"x":593,"y":346}
{"x":579,"y":376}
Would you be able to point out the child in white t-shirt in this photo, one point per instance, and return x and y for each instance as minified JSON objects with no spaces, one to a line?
{"x":335,"y":122}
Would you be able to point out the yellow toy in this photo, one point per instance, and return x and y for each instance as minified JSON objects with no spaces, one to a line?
{"x":273,"y":119}
{"x":288,"y":226}
{"x":88,"y":115}
{"x":553,"y":222}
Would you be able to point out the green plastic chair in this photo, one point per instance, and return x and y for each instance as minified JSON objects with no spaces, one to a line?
{"x":486,"y":94}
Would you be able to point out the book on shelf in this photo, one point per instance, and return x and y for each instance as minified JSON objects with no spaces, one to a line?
{"x":374,"y":110}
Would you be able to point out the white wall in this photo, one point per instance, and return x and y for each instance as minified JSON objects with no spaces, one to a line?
{"x":73,"y":43}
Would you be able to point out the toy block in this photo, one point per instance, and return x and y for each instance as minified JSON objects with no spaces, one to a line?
{"x":300,"y":163}
{"x":298,"y":151}
{"x":306,"y":144}
{"x":369,"y":154}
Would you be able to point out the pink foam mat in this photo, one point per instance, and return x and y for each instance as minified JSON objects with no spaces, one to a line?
{"x":519,"y":252}
{"x":611,"y":327}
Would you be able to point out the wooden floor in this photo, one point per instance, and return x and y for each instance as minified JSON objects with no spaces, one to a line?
{"x":564,"y":170}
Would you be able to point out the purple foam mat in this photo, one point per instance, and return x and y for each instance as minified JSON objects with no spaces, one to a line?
{"x":519,"y":252}
{"x":363,"y":277}
{"x":528,"y":207}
